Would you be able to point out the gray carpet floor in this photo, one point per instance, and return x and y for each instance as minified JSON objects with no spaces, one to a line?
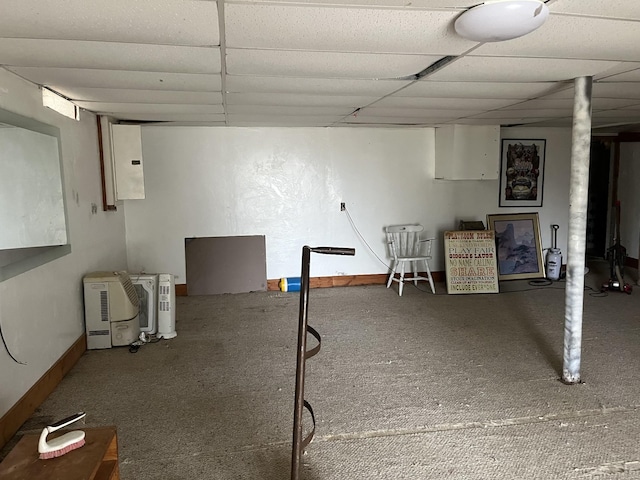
{"x":411,"y":387}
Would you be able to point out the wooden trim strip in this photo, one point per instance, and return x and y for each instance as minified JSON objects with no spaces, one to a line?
{"x":11,"y":421}
{"x":335,"y":281}
{"x":351,"y":280}
{"x":631,"y":262}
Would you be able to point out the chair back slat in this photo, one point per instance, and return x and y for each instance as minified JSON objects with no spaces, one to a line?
{"x":404,"y":240}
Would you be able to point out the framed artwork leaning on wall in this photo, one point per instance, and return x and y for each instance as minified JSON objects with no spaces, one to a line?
{"x":518,"y":245}
{"x":522,"y":172}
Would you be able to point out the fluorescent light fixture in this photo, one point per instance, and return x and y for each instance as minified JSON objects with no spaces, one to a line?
{"x":499,"y":20}
{"x":60,"y":104}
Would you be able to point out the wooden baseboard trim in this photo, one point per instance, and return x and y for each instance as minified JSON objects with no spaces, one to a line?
{"x":11,"y":421}
{"x":181,"y":290}
{"x":631,"y":262}
{"x":350,"y":280}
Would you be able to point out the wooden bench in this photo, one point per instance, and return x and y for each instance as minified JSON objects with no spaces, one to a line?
{"x":96,"y":460}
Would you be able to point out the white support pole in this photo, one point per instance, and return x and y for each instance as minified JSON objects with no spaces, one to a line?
{"x":578,"y":199}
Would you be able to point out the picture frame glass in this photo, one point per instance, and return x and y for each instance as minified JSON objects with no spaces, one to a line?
{"x":518,"y":245}
{"x":522,"y":172}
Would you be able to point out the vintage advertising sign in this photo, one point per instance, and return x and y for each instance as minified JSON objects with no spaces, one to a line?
{"x":470,"y":259}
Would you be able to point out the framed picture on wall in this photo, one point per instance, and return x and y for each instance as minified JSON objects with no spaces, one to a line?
{"x":522,"y":172}
{"x":518,"y":245}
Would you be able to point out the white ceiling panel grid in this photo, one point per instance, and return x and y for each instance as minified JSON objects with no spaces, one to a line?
{"x":444,"y":103}
{"x":113,"y":95}
{"x":325,"y":64}
{"x":628,"y":9}
{"x":481,"y":90}
{"x":573,"y":37}
{"x":318,"y":86}
{"x":375,"y":111}
{"x":510,"y":69}
{"x":458,"y":5}
{"x":315,"y":62}
{"x":184,"y":22}
{"x":294,"y":99}
{"x":26,"y":52}
{"x":288,"y":110}
{"x":60,"y":78}
{"x":148,"y":108}
{"x":342,"y":29}
{"x":169,"y":117}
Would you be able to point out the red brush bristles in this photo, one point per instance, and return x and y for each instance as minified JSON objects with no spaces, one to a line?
{"x":62,"y":451}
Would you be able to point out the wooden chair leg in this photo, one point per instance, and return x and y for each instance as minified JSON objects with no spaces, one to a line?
{"x":414,"y":265}
{"x":394,"y":265}
{"x":401,"y":278}
{"x":433,"y":288}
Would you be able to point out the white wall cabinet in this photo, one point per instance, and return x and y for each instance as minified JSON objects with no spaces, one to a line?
{"x":468,"y":152}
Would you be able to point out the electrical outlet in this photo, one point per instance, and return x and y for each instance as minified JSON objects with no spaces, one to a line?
{"x":342,"y":207}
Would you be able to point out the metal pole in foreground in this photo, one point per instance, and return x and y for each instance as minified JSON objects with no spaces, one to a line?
{"x":578,"y":200}
{"x":299,"y":443}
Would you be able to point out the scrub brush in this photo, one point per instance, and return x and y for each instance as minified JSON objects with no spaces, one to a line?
{"x":64,"y":443}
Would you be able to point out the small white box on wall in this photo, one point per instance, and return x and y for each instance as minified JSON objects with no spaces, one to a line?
{"x":468,"y":152}
{"x":126,"y":146}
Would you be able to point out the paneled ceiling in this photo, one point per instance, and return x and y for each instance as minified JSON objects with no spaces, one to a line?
{"x":323,"y":62}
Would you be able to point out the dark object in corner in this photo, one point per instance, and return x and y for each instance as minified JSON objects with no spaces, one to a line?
{"x":471,"y":225}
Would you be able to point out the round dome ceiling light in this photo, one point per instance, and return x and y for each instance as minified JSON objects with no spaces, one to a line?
{"x":499,"y":20}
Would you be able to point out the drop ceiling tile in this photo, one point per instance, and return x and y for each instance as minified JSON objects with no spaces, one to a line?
{"x":258,"y":120}
{"x":453,"y":89}
{"x":337,"y":29}
{"x":599,"y":8}
{"x":148,"y":108}
{"x":619,"y":69}
{"x":541,"y":104}
{"x":501,"y":121}
{"x":189,"y":123}
{"x":324,"y":64}
{"x":572,"y":37}
{"x":547,"y":113}
{"x":182,"y":22}
{"x":320,"y":86}
{"x":414,"y":4}
{"x":114,"y":95}
{"x":567,"y":104}
{"x":92,"y":78}
{"x":395,"y":120}
{"x":168,"y":117}
{"x":285,"y":110}
{"x":496,"y":69}
{"x":374,"y":111}
{"x":24,"y":52}
{"x":630,"y":76}
{"x":443,"y":103}
{"x":624,"y":90}
{"x":626,"y":114}
{"x":293,"y":99}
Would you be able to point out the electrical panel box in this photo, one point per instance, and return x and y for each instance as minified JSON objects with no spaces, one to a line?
{"x":468,"y":152}
{"x":126,"y":148}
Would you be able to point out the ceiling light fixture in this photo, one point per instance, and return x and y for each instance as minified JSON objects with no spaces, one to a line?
{"x":499,"y":20}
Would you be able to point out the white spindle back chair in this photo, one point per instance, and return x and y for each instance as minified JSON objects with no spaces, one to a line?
{"x":406,"y":247}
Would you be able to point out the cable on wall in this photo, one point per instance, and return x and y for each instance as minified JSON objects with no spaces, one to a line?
{"x":6,"y":347}
{"x":355,"y":228}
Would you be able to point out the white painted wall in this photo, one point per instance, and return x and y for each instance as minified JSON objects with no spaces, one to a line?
{"x":629,"y":196}
{"x":287,"y":184}
{"x":41,"y":311}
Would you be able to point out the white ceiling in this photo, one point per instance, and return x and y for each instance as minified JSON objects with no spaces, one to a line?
{"x":323,"y":62}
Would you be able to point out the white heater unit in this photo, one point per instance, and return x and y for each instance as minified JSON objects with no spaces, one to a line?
{"x":146,"y":286}
{"x":110,"y":309}
{"x":166,"y":306}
